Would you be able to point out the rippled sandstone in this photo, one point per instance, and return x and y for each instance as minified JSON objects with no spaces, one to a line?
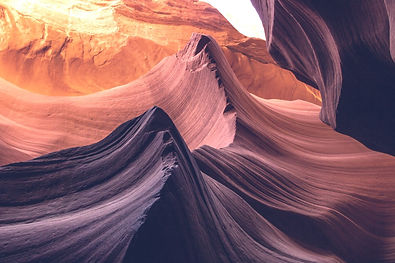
{"x":80,"y":47}
{"x":271,"y":183}
{"x":346,"y":50}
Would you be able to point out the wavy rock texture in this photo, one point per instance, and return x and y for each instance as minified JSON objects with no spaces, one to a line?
{"x":259,"y":74}
{"x":182,"y":84}
{"x":281,"y":187}
{"x":141,"y":192}
{"x":80,"y":47}
{"x":346,"y":50}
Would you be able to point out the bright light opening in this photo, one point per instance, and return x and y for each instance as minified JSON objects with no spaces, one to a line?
{"x":242,"y":15}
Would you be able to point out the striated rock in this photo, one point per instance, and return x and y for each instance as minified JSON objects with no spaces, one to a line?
{"x":281,"y":187}
{"x":262,"y":77}
{"x":183,"y":84}
{"x":142,"y":199}
{"x":80,"y":47}
{"x":346,"y":50}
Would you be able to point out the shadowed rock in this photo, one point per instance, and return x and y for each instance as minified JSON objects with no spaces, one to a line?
{"x":344,"y":49}
{"x":279,"y":186}
{"x":185,"y":85}
{"x":136,"y":196}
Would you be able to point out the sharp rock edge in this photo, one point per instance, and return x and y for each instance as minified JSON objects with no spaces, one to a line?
{"x":186,"y":85}
{"x":333,"y":197}
{"x":273,"y":194}
{"x":136,"y":196}
{"x":346,"y":50}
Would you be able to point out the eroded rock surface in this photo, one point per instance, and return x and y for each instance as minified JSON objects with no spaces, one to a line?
{"x":346,"y":50}
{"x":278,"y":186}
{"x":80,"y":47}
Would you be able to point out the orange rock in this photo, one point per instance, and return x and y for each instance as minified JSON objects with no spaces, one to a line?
{"x":79,"y":47}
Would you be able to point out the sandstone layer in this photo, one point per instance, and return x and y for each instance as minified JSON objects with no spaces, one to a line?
{"x":80,"y":47}
{"x":271,"y":183}
{"x":346,"y":50}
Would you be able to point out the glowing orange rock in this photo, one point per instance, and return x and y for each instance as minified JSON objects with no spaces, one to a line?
{"x":79,"y":47}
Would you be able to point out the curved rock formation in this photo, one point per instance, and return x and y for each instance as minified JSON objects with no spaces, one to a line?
{"x":80,"y":47}
{"x":142,"y":199}
{"x":346,"y":51}
{"x":182,"y":84}
{"x":282,"y":186}
{"x":259,"y":74}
